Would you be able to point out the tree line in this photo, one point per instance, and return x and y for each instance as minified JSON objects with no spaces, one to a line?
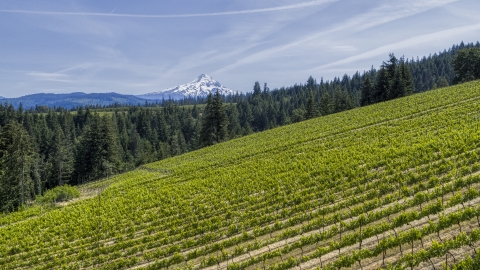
{"x":44,"y":148}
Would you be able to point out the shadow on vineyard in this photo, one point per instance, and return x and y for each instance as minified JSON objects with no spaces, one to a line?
{"x":394,"y":185}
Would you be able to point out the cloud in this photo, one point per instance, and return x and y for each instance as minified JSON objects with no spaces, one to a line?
{"x":344,"y":48}
{"x":81,"y":51}
{"x":53,"y":77}
{"x":410,"y":42}
{"x":388,"y":12}
{"x":239,"y":12}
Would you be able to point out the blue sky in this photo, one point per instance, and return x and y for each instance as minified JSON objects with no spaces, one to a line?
{"x":137,"y":47}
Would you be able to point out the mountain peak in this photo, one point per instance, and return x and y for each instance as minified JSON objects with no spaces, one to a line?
{"x":204,"y":77}
{"x":200,"y":87}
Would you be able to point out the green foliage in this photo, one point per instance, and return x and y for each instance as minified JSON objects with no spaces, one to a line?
{"x":394,"y":80}
{"x":366,"y":91}
{"x":467,"y":65}
{"x":282,"y":198}
{"x":16,"y":161}
{"x":292,"y":194}
{"x":67,"y":148}
{"x":59,"y":194}
{"x":214,"y":122}
{"x":298,"y":115}
{"x":98,"y":150}
{"x":310,"y":110}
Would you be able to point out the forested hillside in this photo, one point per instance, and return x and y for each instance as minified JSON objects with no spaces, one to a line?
{"x":43,"y":148}
{"x":392,"y":185}
{"x":72,"y":100}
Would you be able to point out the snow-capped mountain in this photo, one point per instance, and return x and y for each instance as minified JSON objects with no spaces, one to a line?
{"x":200,"y":87}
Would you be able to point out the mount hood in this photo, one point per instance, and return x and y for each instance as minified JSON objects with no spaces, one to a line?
{"x":200,"y":87}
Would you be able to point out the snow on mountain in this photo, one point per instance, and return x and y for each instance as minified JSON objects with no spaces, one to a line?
{"x":200,"y":87}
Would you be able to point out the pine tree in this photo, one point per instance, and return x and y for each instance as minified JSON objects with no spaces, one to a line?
{"x":397,"y":86}
{"x":467,"y":65}
{"x":402,"y":84}
{"x":233,"y":121}
{"x":195,"y":143}
{"x":311,"y":84}
{"x":61,"y":158}
{"x":338,"y":100}
{"x":366,"y":91}
{"x":391,"y":69}
{"x":381,"y":86}
{"x":215,"y":121}
{"x":325,"y":104}
{"x":98,"y":152}
{"x":208,"y":131}
{"x":177,"y":143}
{"x":407,"y":78}
{"x":110,"y":147}
{"x":257,"y":90}
{"x":16,"y":159}
{"x":221,"y":118}
{"x":391,"y":66}
{"x":310,"y":110}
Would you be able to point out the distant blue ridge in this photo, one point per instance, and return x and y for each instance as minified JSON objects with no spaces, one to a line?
{"x":72,"y":100}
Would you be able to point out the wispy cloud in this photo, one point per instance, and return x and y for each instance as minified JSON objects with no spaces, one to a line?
{"x":137,"y":48}
{"x":345,"y":48}
{"x":238,"y":12}
{"x":53,"y":77}
{"x":388,"y":12}
{"x":410,"y":42}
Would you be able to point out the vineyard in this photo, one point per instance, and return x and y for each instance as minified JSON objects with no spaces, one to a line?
{"x":395,"y":185}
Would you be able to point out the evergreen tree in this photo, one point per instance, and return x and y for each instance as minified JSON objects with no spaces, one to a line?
{"x":391,"y":70}
{"x":16,"y":159}
{"x":61,"y":159}
{"x":208,"y":131}
{"x":467,"y":65}
{"x":391,"y":66}
{"x":215,"y":121}
{"x":177,"y":143}
{"x":221,"y":118}
{"x":381,"y":86}
{"x":407,"y":78}
{"x":402,"y":84}
{"x":257,"y":90}
{"x":311,"y":84}
{"x":246,"y":115}
{"x":98,"y":150}
{"x":325,"y":104}
{"x":233,"y":121}
{"x":110,"y":146}
{"x":194,"y":143}
{"x":366,"y":91}
{"x":397,"y":86}
{"x":341,"y":100}
{"x":310,"y":110}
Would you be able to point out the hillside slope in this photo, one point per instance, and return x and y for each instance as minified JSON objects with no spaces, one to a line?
{"x":397,"y":182}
